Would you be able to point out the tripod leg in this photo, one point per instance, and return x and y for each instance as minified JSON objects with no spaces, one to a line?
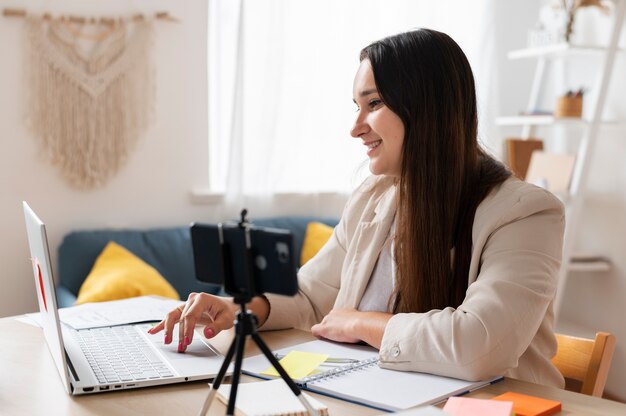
{"x":283,"y":374}
{"x":218,"y":379}
{"x":241,"y":341}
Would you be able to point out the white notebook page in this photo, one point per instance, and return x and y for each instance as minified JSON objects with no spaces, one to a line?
{"x":391,"y":390}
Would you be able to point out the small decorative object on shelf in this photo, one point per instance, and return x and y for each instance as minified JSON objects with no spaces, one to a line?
{"x":570,"y":105}
{"x":541,"y":35}
{"x":557,"y":22}
{"x":572,"y":6}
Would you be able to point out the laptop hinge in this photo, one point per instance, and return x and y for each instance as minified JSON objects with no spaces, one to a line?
{"x":71,"y":366}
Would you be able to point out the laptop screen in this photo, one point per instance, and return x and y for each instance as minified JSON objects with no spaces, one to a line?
{"x":46,"y":295}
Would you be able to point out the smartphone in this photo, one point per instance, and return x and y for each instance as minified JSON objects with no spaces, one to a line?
{"x":221,"y":257}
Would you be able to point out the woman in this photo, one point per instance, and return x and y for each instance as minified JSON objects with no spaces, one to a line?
{"x":441,"y":260}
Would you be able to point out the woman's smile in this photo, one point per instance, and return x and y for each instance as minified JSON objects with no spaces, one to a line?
{"x":372,"y":146}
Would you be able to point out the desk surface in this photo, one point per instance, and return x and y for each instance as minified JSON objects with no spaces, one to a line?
{"x":30,"y":384}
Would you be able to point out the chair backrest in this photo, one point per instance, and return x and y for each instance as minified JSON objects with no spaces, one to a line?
{"x":585,"y":360}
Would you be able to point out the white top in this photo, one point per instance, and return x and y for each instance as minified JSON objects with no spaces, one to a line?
{"x":380,"y":288}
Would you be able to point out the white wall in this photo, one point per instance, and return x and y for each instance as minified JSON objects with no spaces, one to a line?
{"x":153,"y":188}
{"x":150,"y":190}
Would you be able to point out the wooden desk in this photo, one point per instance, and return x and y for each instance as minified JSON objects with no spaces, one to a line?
{"x":30,"y":384}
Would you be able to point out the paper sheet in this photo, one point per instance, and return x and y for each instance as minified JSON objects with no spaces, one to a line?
{"x":30,"y":319}
{"x":117,"y":312}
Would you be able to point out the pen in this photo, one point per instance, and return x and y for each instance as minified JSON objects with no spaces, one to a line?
{"x":328,"y":360}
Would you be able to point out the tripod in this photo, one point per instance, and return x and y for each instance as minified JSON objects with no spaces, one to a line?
{"x":246,"y":324}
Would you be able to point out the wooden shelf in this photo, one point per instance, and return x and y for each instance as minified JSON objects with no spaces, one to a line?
{"x":558,"y":50}
{"x":584,"y":261}
{"x":539,"y":121}
{"x":550,"y":121}
{"x":590,"y":266}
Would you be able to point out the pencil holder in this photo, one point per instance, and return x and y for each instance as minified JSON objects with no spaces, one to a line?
{"x":569,"y":106}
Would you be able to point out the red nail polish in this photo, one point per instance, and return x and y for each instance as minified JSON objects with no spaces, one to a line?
{"x":187,"y":340}
{"x":167,"y":339}
{"x":209,"y":333}
{"x":180,"y":347}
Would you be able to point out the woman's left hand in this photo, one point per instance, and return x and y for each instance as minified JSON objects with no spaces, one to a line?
{"x":351,"y":325}
{"x":338,"y":325}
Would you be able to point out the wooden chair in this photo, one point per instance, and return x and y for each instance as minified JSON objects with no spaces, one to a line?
{"x":584,"y":361}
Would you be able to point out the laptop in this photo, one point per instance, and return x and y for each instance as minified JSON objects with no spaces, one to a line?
{"x":111,"y":358}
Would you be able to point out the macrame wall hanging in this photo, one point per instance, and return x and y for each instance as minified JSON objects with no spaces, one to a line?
{"x":91,"y":88}
{"x":91,"y":93}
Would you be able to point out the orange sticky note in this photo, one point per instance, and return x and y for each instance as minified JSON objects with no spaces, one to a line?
{"x":524,"y":405}
{"x":466,"y":406}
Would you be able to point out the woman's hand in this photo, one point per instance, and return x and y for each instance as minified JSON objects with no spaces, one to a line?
{"x":214,"y":312}
{"x":351,"y":325}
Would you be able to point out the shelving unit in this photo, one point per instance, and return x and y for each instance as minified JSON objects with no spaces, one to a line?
{"x":589,"y":127}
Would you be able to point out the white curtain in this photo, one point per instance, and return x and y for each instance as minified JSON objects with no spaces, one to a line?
{"x":280,"y":85}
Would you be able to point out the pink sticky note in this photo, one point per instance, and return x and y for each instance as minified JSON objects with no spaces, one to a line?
{"x":465,"y":406}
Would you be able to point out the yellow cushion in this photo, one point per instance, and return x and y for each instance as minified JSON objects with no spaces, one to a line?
{"x":315,"y":236}
{"x":119,"y":274}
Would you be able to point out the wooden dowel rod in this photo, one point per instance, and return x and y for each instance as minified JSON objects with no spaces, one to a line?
{"x":14,"y":12}
{"x":81,"y":19}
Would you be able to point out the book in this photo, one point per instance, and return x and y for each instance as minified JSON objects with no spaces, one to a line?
{"x":525,"y":405}
{"x":268,"y":398}
{"x":352,"y":373}
{"x":519,"y":152}
{"x":551,"y":171}
{"x":466,"y":406}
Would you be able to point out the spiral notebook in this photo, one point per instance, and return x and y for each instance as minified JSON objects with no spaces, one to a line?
{"x":362,"y":381}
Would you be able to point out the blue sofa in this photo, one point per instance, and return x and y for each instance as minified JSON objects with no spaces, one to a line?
{"x":166,"y":249}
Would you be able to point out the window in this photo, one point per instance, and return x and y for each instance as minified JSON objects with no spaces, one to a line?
{"x":280,"y":85}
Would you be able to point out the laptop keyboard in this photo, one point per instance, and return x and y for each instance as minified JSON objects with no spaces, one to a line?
{"x":120,"y":354}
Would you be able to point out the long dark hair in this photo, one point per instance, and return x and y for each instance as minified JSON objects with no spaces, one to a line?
{"x":424,"y":77}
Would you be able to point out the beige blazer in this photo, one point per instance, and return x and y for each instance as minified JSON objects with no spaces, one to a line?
{"x":505,"y":324}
